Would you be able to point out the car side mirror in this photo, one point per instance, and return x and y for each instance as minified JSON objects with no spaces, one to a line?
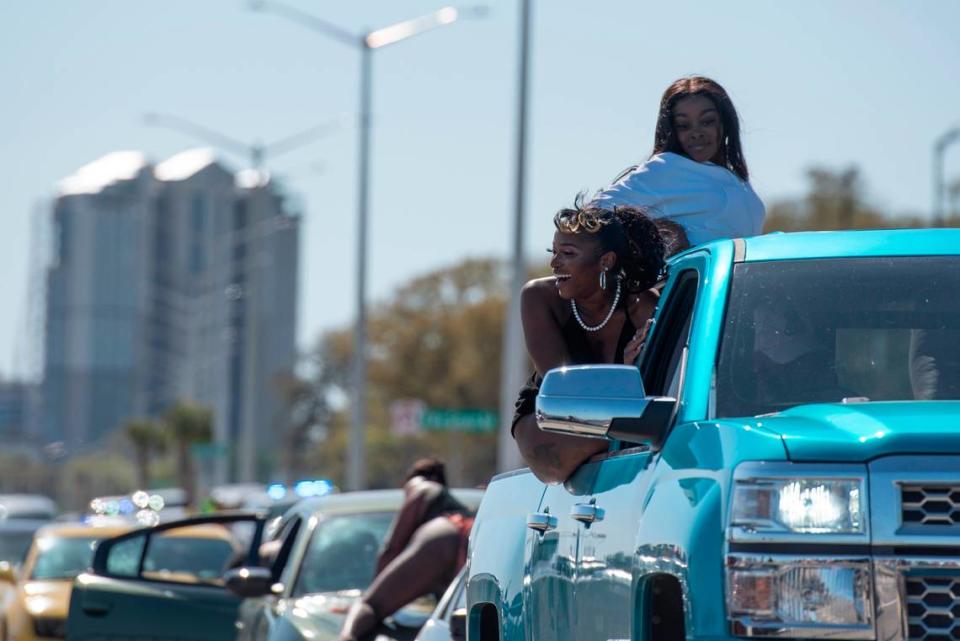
{"x":249,"y":582}
{"x":8,"y":573}
{"x":602,"y":401}
{"x":458,"y":625}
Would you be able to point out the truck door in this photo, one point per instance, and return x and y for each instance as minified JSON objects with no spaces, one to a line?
{"x":608,"y":515}
{"x":551,"y":562}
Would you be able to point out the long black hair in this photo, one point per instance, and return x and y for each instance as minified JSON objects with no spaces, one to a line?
{"x":429,"y":468}
{"x":665,"y":138}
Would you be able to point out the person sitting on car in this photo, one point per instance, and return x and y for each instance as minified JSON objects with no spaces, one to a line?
{"x":426,"y":547}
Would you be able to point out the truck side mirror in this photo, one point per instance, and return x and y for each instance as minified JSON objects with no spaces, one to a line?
{"x":602,"y":401}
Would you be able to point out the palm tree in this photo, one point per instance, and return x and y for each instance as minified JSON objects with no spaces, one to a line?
{"x":188,"y":424}
{"x":147,"y":438}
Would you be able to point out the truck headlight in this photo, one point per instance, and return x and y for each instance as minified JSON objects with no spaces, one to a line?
{"x":800,"y":597}
{"x":795,"y":499}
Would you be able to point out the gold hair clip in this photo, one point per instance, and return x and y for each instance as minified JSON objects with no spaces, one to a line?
{"x":585,"y":221}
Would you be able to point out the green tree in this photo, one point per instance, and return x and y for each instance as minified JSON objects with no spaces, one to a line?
{"x":437,"y":339}
{"x":304,"y":412}
{"x":834,"y":200}
{"x":86,"y":476}
{"x":188,"y":424}
{"x":147,"y":438}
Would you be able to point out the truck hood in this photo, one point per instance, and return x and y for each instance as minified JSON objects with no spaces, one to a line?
{"x":863,"y":431}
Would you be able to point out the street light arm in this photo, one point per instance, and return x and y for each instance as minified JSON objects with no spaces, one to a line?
{"x":947,"y":138}
{"x":308,"y":20}
{"x":297,"y":140}
{"x":189,"y":128}
{"x":408,"y":28}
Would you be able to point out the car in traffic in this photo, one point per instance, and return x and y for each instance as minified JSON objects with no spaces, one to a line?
{"x":15,"y":538}
{"x":449,"y":620}
{"x":36,"y":598}
{"x":323,"y":557}
{"x":293,"y":579}
{"x":35,"y":507}
{"x":289,"y":578}
{"x":165,"y":581}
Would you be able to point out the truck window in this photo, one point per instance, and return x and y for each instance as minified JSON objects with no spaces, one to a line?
{"x":825,"y":330}
{"x":661,"y":370}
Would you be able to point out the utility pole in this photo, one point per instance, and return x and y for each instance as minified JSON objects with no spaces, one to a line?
{"x":514,"y":358}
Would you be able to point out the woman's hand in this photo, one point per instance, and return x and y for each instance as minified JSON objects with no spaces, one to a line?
{"x":634,"y":348}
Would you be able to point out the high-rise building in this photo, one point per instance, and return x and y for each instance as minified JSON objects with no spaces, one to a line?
{"x":170,"y":282}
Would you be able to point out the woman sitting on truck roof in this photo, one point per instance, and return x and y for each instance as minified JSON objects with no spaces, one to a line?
{"x":604,"y":265}
{"x":697,"y":176}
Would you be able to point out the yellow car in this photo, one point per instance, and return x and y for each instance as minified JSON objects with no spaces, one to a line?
{"x":35,"y":601}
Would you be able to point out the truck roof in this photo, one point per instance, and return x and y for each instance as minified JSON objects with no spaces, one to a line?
{"x":838,"y":244}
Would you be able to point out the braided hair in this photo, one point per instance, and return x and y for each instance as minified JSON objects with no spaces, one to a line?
{"x":626,"y":231}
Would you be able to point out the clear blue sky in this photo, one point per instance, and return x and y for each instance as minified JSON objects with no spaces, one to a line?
{"x":816,"y":83}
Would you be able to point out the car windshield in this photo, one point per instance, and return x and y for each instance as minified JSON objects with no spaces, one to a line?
{"x":342,"y":553}
{"x":14,"y":545}
{"x":825,"y":330}
{"x":62,"y":558}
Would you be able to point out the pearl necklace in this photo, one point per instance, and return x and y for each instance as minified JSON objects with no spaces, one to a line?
{"x":594,"y":328}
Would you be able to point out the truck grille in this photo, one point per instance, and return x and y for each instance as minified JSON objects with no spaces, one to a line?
{"x":930,"y":504}
{"x":933,"y":608}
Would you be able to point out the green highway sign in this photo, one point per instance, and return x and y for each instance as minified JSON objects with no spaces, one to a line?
{"x":478,"y":421}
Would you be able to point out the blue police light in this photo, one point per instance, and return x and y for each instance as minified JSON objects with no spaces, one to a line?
{"x":304,"y":488}
{"x":322,"y":487}
{"x":276,"y":491}
{"x":127,"y":506}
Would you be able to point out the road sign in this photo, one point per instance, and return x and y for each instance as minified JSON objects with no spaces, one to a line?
{"x":406,"y":415}
{"x":461,"y":420}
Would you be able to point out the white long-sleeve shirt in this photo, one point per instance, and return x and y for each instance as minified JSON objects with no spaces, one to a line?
{"x":708,"y":200}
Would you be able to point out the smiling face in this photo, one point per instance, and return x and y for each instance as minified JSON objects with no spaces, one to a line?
{"x":696,"y":122}
{"x":577,"y":264}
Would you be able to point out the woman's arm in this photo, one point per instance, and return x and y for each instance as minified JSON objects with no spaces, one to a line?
{"x":540,"y":309}
{"x":641,"y":308}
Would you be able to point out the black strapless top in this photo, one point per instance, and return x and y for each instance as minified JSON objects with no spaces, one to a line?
{"x":580,"y":353}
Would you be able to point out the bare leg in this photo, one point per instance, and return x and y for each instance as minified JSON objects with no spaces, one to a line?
{"x":427,"y":565}
{"x":553,"y":457}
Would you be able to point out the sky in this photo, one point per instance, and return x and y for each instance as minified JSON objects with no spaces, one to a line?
{"x":817,"y":83}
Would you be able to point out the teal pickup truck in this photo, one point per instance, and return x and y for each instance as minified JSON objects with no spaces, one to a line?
{"x":784,"y":462}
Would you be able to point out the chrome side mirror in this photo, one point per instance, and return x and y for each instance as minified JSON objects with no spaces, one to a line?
{"x":249,"y":581}
{"x":602,"y":401}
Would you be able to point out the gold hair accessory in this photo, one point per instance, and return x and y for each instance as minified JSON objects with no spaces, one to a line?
{"x":584,"y":220}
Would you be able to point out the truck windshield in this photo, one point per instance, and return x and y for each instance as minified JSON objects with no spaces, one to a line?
{"x":825,"y":330}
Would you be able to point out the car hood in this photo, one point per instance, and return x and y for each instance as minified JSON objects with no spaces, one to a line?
{"x":319,"y":617}
{"x":863,"y":431}
{"x":46,"y":598}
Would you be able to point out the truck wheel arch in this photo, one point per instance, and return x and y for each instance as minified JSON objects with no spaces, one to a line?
{"x":661,"y":608}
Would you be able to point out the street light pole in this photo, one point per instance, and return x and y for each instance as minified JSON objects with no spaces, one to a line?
{"x":367,"y":43}
{"x":356,"y":453}
{"x":514,"y":357}
{"x":939,"y":150}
